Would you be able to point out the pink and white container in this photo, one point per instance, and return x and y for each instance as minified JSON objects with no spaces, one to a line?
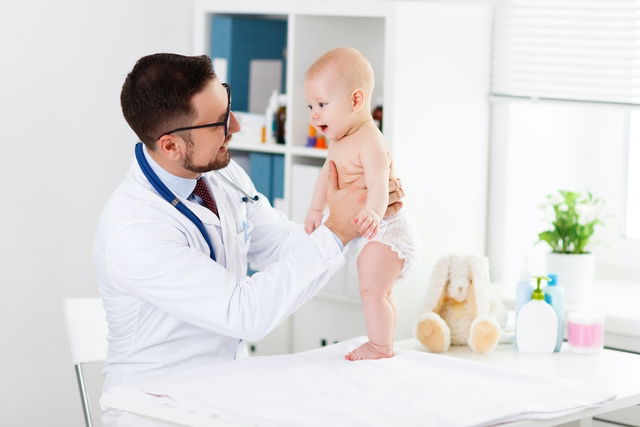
{"x":585,"y":332}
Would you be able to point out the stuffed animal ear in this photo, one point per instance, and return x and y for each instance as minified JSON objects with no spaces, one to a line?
{"x":479,"y":270}
{"x":437,"y":285}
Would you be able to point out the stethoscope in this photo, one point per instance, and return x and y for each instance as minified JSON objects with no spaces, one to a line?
{"x":162,"y":189}
{"x":246,"y":197}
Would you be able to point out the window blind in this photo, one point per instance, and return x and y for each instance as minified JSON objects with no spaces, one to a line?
{"x":585,"y":50}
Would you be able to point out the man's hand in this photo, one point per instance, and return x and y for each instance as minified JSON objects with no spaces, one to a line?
{"x":346,"y":203}
{"x":396,"y":193}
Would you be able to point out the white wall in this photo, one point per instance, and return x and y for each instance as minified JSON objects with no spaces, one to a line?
{"x":536,"y":149}
{"x":65,"y":146}
{"x":439,"y":133}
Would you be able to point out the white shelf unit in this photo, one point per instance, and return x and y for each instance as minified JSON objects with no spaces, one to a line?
{"x":253,"y":147}
{"x":431,"y":61}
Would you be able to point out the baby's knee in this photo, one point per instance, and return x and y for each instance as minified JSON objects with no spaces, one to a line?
{"x":373,"y":289}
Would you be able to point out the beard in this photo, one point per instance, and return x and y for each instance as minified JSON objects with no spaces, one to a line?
{"x":220,"y":161}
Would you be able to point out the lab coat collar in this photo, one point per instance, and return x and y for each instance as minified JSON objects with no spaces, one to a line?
{"x":205,"y":215}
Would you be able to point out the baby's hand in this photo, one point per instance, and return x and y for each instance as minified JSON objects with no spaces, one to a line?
{"x":368,"y":222}
{"x":312,"y":220}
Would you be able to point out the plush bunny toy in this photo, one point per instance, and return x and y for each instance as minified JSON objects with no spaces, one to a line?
{"x":461,"y":307}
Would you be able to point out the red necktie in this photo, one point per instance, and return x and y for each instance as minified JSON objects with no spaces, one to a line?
{"x":203,"y":192}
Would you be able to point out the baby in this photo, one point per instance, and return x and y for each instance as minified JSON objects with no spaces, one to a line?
{"x":337,"y":89}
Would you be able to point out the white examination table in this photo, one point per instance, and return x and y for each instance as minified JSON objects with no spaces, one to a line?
{"x":414,"y":388}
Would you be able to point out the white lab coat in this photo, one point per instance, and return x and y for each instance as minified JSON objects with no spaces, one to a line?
{"x":169,"y":306}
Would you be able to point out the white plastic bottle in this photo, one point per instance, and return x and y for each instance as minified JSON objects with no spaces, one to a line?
{"x":269,"y":117}
{"x":524,"y":288}
{"x":554,"y":295}
{"x":537,"y":324}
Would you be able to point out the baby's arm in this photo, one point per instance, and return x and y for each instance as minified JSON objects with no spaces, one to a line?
{"x":375,"y":163}
{"x":318,"y":201}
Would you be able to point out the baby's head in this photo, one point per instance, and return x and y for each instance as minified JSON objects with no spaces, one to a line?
{"x":337,"y":90}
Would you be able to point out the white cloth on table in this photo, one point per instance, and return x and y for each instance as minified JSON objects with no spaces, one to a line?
{"x":119,"y":418}
{"x":320,"y":388}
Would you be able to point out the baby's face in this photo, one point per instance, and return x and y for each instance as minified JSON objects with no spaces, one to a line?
{"x":329,"y":105}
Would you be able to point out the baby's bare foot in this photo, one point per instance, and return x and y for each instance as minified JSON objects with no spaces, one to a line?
{"x":369,"y":350}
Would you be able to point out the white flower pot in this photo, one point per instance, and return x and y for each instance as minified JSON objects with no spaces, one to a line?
{"x":575,"y":275}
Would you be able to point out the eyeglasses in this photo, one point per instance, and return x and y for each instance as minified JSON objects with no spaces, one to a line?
{"x":225,"y":123}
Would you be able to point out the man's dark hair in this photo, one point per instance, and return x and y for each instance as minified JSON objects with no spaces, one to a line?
{"x":156,"y":95}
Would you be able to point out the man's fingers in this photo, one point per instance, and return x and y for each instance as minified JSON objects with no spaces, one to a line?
{"x":333,"y":178}
{"x":393,"y":209}
{"x":396,"y":195}
{"x":394,"y":184}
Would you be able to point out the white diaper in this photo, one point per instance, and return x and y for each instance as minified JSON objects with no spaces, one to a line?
{"x":397,"y":232}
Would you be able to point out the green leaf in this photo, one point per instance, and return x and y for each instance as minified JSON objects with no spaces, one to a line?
{"x":569,"y":233}
{"x":551,"y":238}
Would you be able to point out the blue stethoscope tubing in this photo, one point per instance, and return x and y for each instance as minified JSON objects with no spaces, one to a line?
{"x":162,"y":189}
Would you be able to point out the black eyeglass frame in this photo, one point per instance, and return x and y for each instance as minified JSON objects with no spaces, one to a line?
{"x":225,"y":123}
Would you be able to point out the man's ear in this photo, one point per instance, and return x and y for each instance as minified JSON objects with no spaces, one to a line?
{"x":357,"y":100}
{"x":170,"y":146}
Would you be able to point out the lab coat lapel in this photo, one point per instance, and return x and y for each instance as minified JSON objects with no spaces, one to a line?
{"x":206,"y":216}
{"x":227,"y":218}
{"x":219,"y":195}
{"x":214,"y":227}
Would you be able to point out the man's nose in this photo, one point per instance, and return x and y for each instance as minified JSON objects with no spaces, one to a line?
{"x":234,"y":124}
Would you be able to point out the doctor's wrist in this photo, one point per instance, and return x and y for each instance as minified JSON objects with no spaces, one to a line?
{"x":345,"y":234}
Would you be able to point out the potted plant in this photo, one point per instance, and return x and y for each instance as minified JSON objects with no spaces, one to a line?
{"x":574,"y":217}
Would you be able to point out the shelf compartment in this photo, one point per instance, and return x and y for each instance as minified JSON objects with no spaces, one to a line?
{"x":251,"y":145}
{"x":316,"y":153}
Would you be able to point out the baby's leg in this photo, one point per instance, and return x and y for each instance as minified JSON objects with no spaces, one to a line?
{"x":378,"y":269}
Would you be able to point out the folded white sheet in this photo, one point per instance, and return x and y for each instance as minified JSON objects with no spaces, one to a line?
{"x":320,"y":388}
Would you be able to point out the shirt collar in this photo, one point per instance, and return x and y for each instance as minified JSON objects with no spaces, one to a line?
{"x":182,"y":187}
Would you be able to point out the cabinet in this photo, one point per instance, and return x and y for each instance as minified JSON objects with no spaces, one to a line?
{"x":431,"y":61}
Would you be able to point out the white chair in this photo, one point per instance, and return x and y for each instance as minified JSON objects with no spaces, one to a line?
{"x":87,"y":332}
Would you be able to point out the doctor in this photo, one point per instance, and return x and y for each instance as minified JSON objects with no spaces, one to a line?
{"x":173,"y":242}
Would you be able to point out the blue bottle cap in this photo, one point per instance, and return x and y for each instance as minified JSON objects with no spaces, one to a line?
{"x":554,"y":279}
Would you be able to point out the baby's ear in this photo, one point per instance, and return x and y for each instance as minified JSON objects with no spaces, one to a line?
{"x":357,"y":100}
